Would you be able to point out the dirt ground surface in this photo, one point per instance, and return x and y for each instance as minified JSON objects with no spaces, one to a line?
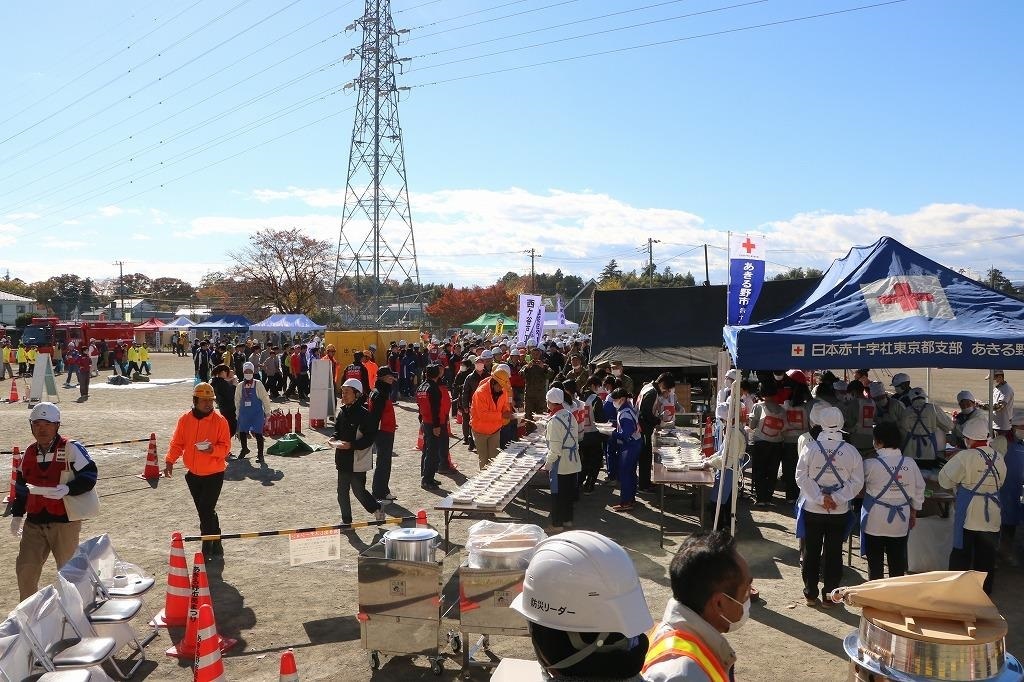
{"x":269,"y":606}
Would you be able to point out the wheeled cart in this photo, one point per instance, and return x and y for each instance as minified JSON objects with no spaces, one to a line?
{"x":400,"y":607}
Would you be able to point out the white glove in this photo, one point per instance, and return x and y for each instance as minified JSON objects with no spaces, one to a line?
{"x":16,"y":522}
{"x":57,"y":493}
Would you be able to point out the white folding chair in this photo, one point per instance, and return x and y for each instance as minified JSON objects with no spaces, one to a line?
{"x":44,"y":624}
{"x":110,"y":618}
{"x":116,"y":579}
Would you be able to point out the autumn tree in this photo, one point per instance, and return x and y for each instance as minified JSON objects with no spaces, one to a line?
{"x":455,"y":307}
{"x":798,"y":273}
{"x":64,"y":293}
{"x":285,"y":269}
{"x":172,"y":289}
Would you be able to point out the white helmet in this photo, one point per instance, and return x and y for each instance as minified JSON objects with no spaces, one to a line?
{"x":732,"y":374}
{"x":355,"y":384}
{"x":555,"y":395}
{"x":581,"y":581}
{"x":47,"y":412}
{"x":900,"y":378}
{"x":975,"y":429}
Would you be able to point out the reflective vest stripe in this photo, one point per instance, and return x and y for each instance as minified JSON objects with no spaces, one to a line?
{"x":674,"y":643}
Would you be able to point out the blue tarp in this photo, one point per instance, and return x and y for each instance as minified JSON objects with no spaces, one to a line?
{"x":232,"y":322}
{"x":886,"y":305}
{"x":287,"y":323}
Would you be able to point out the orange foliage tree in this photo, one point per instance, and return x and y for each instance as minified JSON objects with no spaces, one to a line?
{"x":459,"y":306}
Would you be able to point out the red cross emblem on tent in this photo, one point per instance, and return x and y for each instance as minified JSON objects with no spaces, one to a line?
{"x":902,"y":296}
{"x":798,"y":350}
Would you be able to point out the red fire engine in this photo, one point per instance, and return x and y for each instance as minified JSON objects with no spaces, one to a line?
{"x":47,"y":331}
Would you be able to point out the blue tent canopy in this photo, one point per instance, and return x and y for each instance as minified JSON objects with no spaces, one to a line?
{"x":287,"y":323}
{"x":180,"y":323}
{"x":230,"y":322}
{"x":885,"y":305}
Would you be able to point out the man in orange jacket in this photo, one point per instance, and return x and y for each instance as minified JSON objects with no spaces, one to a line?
{"x":203,"y":438}
{"x":488,"y":412}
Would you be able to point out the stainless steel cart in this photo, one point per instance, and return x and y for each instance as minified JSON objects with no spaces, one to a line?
{"x":483,"y":609}
{"x":400,"y":607}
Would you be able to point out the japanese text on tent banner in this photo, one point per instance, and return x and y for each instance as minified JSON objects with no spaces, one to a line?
{"x":560,"y":308}
{"x":746,"y":275}
{"x":531,"y":317}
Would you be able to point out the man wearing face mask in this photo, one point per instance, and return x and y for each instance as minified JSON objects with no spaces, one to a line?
{"x":618,"y":373}
{"x":710,"y":596}
{"x":585,"y":608}
{"x":252,"y":405}
{"x":202,"y":437}
{"x":469,"y":386}
{"x":38,"y":514}
{"x":968,"y":411}
{"x":887,"y":409}
{"x":925,"y":426}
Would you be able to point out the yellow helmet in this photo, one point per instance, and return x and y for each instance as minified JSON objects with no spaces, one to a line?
{"x":331,"y":347}
{"x":203,"y":390}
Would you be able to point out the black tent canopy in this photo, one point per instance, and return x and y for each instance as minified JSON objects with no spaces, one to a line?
{"x":676,"y":327}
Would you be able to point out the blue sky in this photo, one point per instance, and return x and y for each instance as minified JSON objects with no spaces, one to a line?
{"x":902,"y":120}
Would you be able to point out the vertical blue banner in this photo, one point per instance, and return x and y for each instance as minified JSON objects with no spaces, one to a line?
{"x":746,"y":276}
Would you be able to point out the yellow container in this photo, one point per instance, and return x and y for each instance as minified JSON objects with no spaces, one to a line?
{"x":349,"y":342}
{"x":386,"y":336}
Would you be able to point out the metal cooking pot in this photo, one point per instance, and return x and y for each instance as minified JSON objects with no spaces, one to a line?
{"x":411,"y":544}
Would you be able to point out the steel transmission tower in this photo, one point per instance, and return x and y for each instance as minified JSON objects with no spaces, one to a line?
{"x":376,"y":242}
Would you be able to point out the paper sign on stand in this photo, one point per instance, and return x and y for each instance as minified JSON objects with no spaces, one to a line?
{"x":313,"y":546}
{"x":321,"y":390}
{"x":43,"y":379}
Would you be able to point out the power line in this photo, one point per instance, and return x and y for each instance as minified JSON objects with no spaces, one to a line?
{"x":547,"y":28}
{"x":159,"y":79}
{"x":133,"y":155}
{"x":483,"y":21}
{"x":468,"y":14}
{"x":102,"y":63}
{"x":592,"y":34}
{"x":119,"y":77}
{"x":207,"y":166}
{"x":422,"y":4}
{"x":659,"y":43}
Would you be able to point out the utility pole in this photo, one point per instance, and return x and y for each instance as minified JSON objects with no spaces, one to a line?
{"x":532,"y":253}
{"x":376,"y":222}
{"x":707,"y":270}
{"x":120,"y":284}
{"x":650,"y":261}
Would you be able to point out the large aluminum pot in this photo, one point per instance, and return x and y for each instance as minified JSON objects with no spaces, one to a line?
{"x":411,"y":544}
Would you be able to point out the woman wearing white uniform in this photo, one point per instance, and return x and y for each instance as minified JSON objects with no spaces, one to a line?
{"x":830,"y":473}
{"x":976,"y":475}
{"x":893,"y":494}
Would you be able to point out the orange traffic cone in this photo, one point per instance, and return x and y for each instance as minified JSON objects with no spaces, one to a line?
{"x":14,"y":391}
{"x":707,"y":447}
{"x":200,"y":595}
{"x":208,"y":666}
{"x":152,"y":470}
{"x":15,"y":463}
{"x":289,"y":673}
{"x":179,"y":588}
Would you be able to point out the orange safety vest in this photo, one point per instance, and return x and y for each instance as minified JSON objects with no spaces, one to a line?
{"x":675,"y":643}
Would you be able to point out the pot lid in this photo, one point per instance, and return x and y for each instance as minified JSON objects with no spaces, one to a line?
{"x":410,"y":534}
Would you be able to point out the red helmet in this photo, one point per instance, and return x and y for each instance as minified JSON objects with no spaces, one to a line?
{"x":798,"y":376}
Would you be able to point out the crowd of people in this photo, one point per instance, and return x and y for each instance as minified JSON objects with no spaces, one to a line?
{"x":851,"y":454}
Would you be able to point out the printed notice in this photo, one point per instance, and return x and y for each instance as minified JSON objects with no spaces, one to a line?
{"x":313,"y":546}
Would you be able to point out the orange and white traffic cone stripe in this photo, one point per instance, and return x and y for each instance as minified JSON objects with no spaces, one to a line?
{"x":208,"y":666}
{"x":200,"y":595}
{"x":13,"y":398}
{"x":289,"y":673}
{"x":152,"y":470}
{"x":179,"y":588}
{"x":15,"y":463}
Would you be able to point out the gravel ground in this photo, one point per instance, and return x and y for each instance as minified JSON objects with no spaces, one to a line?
{"x":269,"y":606}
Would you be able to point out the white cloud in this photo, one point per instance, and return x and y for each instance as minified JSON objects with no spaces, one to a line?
{"x":320,"y":226}
{"x":110,"y":211}
{"x":71,"y":222}
{"x":9,"y":234}
{"x":139,"y":237}
{"x":57,"y":243}
{"x":22,"y":216}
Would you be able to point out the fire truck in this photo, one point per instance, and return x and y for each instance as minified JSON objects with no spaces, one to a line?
{"x":45,"y":332}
